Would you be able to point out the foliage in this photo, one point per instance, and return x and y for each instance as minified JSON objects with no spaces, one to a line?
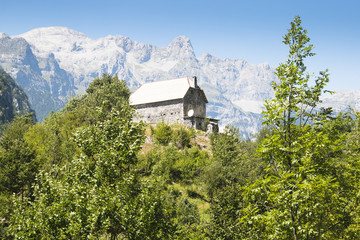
{"x":234,"y":166}
{"x":172,"y":165}
{"x":348,"y":171}
{"x":164,"y":165}
{"x":107,"y":93}
{"x":191,"y":163}
{"x":52,"y":138}
{"x":162,"y":134}
{"x":298,"y":180}
{"x":233,"y":161}
{"x":224,"y":214}
{"x":95,"y":194}
{"x":181,"y":138}
{"x":301,"y":196}
{"x":78,"y":147}
{"x":17,"y":165}
{"x":225,"y":146}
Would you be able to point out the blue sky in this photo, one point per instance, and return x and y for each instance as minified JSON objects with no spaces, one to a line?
{"x":250,"y":30}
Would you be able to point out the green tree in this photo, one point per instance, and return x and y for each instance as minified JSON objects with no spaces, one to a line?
{"x":233,"y":161}
{"x":96,"y":194}
{"x":348,"y":169}
{"x":17,"y":166}
{"x":108,"y":93}
{"x":234,"y":166}
{"x":52,"y":138}
{"x":301,"y":197}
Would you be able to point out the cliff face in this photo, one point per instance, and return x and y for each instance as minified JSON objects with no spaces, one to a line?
{"x":13,"y":100}
{"x":46,"y":84}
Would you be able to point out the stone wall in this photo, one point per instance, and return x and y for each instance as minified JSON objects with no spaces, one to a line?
{"x":169,"y":111}
{"x":195,"y":99}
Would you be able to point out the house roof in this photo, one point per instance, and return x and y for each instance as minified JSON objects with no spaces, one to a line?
{"x":160,"y":91}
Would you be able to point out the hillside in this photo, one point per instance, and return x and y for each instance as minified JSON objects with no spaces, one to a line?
{"x":13,"y":100}
{"x":91,"y":169}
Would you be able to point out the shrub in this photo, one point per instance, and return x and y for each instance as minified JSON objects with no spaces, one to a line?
{"x":181,"y":138}
{"x":162,"y":133}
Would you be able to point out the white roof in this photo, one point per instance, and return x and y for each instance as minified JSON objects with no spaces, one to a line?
{"x":161,"y":91}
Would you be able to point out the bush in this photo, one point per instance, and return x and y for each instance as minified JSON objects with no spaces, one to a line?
{"x":162,"y":133}
{"x":181,"y":138}
{"x":191,"y":163}
{"x":164,"y":167}
{"x":187,"y":212}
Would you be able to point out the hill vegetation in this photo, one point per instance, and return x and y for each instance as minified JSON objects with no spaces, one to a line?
{"x":90,"y":172}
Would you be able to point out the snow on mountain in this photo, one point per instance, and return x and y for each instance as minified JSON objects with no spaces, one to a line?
{"x":83,"y":57}
{"x":342,"y":100}
{"x":46,"y":84}
{"x":235,"y":88}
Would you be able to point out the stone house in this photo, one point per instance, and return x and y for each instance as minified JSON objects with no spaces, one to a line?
{"x":178,"y":100}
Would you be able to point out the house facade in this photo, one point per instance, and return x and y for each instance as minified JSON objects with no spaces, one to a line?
{"x":178,"y":100}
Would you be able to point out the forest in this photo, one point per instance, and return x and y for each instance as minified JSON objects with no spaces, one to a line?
{"x":89,"y":172}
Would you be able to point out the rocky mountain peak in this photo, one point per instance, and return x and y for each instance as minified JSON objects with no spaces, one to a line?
{"x":4,"y":35}
{"x":181,"y":47}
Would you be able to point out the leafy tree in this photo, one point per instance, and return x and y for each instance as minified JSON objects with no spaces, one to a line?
{"x":88,"y":188}
{"x":300,"y":197}
{"x":107,"y":93}
{"x":191,"y":163}
{"x":96,"y":194}
{"x":348,"y":169}
{"x":224,"y":212}
{"x":233,"y":162}
{"x":164,"y":165}
{"x":52,"y":138}
{"x":234,"y":166}
{"x":225,"y":147}
{"x":17,"y":168}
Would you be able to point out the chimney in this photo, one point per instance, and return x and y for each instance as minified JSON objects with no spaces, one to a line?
{"x":195,"y":82}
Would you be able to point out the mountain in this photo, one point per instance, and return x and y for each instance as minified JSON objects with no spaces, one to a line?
{"x":59,"y":62}
{"x":13,"y":100}
{"x":47,"y":85}
{"x":343,"y":100}
{"x":235,"y":89}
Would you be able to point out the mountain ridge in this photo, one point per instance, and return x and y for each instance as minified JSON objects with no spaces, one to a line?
{"x":137,"y":63}
{"x":235,"y":88}
{"x":46,"y":84}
